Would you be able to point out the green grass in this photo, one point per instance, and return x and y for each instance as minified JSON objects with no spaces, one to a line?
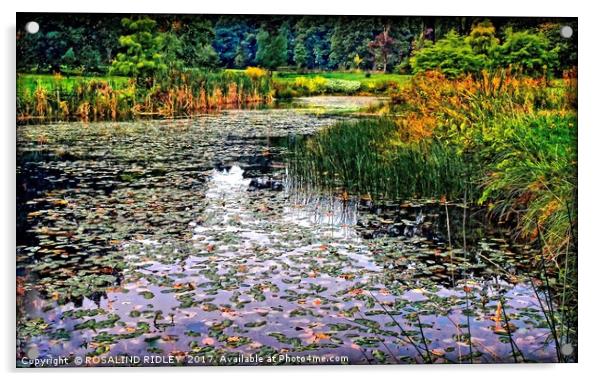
{"x":347,"y":76}
{"x":49,"y":81}
{"x":365,"y":157}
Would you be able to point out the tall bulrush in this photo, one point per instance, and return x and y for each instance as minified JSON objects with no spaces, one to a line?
{"x":178,"y":94}
{"x":41,"y":105}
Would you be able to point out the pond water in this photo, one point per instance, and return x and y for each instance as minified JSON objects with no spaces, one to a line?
{"x":191,"y":238}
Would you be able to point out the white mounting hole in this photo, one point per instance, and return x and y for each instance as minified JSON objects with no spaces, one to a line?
{"x":32,"y":27}
{"x":567,"y":349}
{"x":566,"y":31}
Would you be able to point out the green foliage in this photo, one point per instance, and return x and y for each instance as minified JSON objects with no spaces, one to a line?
{"x":195,"y":39}
{"x":300,"y":54}
{"x":452,"y":55}
{"x":228,"y":41}
{"x":365,"y":157}
{"x":526,"y":52}
{"x":271,"y":50}
{"x":68,"y":59}
{"x":566,"y":47}
{"x":482,"y":38}
{"x":532,"y":167}
{"x":143,"y":57}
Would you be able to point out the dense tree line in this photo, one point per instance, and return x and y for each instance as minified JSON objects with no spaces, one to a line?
{"x":93,"y":43}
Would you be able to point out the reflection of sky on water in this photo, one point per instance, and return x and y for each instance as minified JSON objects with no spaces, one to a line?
{"x":291,"y":262}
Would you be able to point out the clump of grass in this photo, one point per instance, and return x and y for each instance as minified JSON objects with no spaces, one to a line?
{"x":520,"y":132}
{"x":531,"y":176}
{"x":366,"y":156}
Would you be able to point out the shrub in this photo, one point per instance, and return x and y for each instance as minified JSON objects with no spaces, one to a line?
{"x":526,"y":52}
{"x":315,"y":85}
{"x":482,"y":38}
{"x":342,"y":86}
{"x":532,"y":175}
{"x":451,"y":55}
{"x":255,"y":72}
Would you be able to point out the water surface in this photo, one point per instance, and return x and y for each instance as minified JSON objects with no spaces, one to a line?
{"x":192,"y":238}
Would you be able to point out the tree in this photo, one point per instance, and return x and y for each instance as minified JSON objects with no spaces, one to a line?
{"x":239,"y":59}
{"x":566,"y":47}
{"x":196,"y":37}
{"x":271,"y":50}
{"x":482,"y":38}
{"x":527,"y":52}
{"x":172,"y":50}
{"x":68,"y":59}
{"x":143,"y":56}
{"x":300,"y":54}
{"x":451,"y":54}
{"x":382,"y":47}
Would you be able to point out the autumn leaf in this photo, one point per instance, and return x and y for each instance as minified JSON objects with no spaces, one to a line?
{"x":356,"y":291}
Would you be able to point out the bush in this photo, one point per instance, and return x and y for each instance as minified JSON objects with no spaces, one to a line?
{"x":526,"y":52}
{"x":255,"y":72}
{"x":343,"y":86}
{"x":451,"y":55}
{"x":315,"y":85}
{"x":532,"y":175}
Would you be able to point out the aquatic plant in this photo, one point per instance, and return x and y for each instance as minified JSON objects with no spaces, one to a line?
{"x":366,"y":156}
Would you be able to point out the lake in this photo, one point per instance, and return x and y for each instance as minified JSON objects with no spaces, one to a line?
{"x":193,"y":238}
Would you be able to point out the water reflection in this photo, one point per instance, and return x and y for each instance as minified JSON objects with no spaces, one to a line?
{"x":198,"y":240}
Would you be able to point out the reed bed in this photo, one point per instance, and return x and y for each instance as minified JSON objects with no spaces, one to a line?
{"x":179,"y":94}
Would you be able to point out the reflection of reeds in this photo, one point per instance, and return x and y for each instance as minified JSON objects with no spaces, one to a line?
{"x":551,"y":319}
{"x":466,"y":288}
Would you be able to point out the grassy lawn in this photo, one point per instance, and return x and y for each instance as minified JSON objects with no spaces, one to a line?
{"x":348,"y":76}
{"x":49,"y":81}
{"x":289,"y":77}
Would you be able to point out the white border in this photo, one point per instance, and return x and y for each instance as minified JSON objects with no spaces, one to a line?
{"x":590,"y":131}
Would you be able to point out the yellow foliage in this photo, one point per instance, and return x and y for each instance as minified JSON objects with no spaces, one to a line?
{"x":255,"y":72}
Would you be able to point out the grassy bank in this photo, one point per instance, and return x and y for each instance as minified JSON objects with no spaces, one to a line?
{"x":292,"y":84}
{"x":46,"y":97}
{"x":513,"y":140}
{"x":49,"y":98}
